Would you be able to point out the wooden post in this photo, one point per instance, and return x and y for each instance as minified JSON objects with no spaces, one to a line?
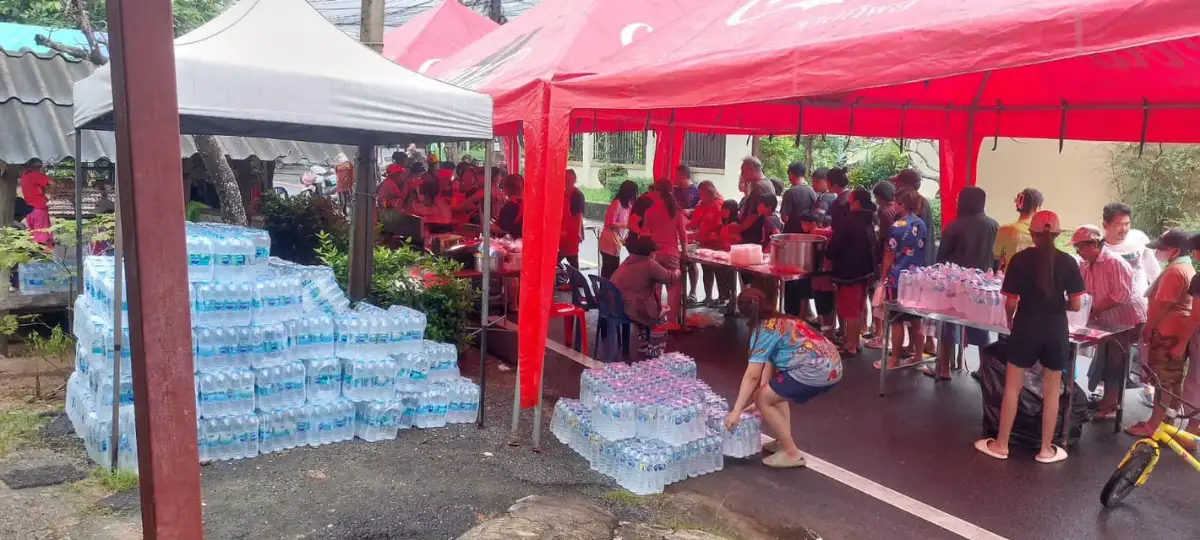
{"x":146,"y":110}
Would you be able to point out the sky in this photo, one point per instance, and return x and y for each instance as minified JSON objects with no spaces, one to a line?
{"x":345,"y":13}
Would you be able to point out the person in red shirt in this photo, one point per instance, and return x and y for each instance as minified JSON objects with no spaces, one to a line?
{"x":572,"y":222}
{"x":708,"y":222}
{"x":33,"y":188}
{"x":345,"y":181}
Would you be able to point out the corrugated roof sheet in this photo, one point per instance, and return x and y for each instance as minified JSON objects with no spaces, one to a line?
{"x":37,"y":118}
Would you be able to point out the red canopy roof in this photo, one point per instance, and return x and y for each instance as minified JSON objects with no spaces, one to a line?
{"x":434,"y":35}
{"x":1026,"y":58}
{"x":554,"y":38}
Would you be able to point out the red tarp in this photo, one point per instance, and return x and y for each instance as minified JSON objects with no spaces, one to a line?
{"x":515,"y":64}
{"x":434,"y":35}
{"x":912,"y":68}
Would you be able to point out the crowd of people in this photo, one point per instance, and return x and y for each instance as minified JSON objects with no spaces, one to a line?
{"x":872,"y":237}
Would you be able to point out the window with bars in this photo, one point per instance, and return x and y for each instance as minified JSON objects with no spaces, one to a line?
{"x":704,"y":151}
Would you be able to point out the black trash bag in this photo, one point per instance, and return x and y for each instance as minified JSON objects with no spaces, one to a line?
{"x":1027,"y":428}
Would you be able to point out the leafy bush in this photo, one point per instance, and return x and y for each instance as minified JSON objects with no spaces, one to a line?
{"x":644,"y":184}
{"x":611,"y":173}
{"x":1161,"y":186}
{"x":295,"y":224}
{"x":407,"y":277}
{"x":881,"y":163}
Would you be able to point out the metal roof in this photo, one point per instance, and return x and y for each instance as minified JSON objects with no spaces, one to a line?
{"x":36,"y":115}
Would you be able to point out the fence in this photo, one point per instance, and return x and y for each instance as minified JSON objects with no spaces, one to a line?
{"x":576,"y":151}
{"x":624,"y":148}
{"x":704,"y":151}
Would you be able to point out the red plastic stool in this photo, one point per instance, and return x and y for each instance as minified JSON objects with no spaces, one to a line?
{"x":572,"y":315}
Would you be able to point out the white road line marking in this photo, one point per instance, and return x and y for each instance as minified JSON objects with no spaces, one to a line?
{"x":900,"y":500}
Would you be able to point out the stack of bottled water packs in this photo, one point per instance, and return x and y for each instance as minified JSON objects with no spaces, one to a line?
{"x":44,"y":277}
{"x":281,"y":360}
{"x":651,"y":424}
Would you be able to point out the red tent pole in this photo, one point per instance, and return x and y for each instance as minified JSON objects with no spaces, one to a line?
{"x":146,"y":109}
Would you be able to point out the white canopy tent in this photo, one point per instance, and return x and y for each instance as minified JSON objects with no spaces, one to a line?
{"x":277,"y":69}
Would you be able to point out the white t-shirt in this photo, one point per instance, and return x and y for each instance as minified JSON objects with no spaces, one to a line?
{"x":1140,"y":258}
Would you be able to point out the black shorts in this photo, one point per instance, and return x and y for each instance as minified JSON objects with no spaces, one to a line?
{"x":825,"y":301}
{"x":1040,"y":342}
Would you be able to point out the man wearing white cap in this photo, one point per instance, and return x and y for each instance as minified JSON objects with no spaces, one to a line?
{"x":1110,"y":282}
{"x":1042,"y":284}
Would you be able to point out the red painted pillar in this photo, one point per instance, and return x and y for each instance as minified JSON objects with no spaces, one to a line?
{"x":668,"y":152}
{"x":141,"y":43}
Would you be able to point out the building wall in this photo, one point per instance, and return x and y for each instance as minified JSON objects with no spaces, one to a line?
{"x":1075,"y":183}
{"x":726,"y":180}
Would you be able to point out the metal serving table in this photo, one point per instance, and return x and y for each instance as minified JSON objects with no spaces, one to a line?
{"x":761,"y":270}
{"x":1089,"y":336}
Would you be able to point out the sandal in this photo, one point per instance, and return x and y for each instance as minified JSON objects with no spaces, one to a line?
{"x":1106,"y":413}
{"x":782,"y":461}
{"x":904,"y":362}
{"x":1059,"y":455}
{"x":875,"y":343}
{"x":1140,"y":430}
{"x":772,"y":447}
{"x":929,"y":372}
{"x":982,"y":446}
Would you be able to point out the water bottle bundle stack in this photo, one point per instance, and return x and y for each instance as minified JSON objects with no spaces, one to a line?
{"x":650,"y":424}
{"x":967,"y":292}
{"x":280,"y":359}
{"x":44,"y":277}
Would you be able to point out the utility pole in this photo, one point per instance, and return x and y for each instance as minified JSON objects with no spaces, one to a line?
{"x":496,"y":11}
{"x":362,"y":230}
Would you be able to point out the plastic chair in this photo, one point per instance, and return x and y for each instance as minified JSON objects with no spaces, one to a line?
{"x":611,"y":307}
{"x":573,"y":318}
{"x":581,"y":292}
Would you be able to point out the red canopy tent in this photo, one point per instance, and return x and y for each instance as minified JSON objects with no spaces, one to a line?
{"x":516,"y":64}
{"x":434,"y":35}
{"x":953,"y":70}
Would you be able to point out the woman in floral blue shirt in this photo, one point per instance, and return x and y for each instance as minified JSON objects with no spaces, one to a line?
{"x":905,"y":251}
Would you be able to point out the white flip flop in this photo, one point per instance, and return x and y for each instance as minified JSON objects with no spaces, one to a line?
{"x":982,"y":446}
{"x":1059,"y":455}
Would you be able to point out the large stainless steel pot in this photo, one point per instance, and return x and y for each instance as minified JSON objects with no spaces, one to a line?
{"x":797,"y":252}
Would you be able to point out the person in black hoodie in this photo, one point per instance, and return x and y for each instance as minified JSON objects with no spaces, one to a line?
{"x":852,"y":256}
{"x":967,"y":242}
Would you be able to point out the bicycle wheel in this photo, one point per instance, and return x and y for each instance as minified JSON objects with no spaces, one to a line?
{"x":1125,"y":478}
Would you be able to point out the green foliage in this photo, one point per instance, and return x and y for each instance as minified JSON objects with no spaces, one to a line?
{"x":935,"y":207}
{"x":115,"y":481}
{"x":881,"y":162}
{"x":1161,"y":186}
{"x":447,"y":301}
{"x":599,"y":195}
{"x":295,"y":224}
{"x":611,"y":173}
{"x":189,"y":14}
{"x":55,"y":345}
{"x":17,"y":428}
{"x":195,"y":209}
{"x":644,"y":184}
{"x":18,"y":247}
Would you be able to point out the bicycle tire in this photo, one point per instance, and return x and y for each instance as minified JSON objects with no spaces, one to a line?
{"x":1125,"y":478}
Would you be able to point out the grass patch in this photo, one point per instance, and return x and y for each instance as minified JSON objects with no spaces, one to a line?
{"x":625,"y":498}
{"x":596,"y":194}
{"x":115,"y":482}
{"x":683,"y":524}
{"x":17,"y":428}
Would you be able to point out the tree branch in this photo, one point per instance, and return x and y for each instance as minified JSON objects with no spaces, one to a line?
{"x":78,"y":8}
{"x":77,"y":52}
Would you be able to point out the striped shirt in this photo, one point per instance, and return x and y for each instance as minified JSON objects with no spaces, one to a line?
{"x":1110,"y":282}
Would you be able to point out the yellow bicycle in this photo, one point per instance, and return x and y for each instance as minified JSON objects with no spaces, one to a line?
{"x":1139,"y":462}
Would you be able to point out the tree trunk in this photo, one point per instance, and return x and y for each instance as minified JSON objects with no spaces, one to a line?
{"x":221,"y":176}
{"x":808,"y":153}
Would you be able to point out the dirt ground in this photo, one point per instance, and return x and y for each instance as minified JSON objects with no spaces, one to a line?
{"x":426,"y":484}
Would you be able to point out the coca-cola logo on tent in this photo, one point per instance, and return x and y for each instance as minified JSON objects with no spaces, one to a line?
{"x":487,"y":68}
{"x":754,"y":10}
